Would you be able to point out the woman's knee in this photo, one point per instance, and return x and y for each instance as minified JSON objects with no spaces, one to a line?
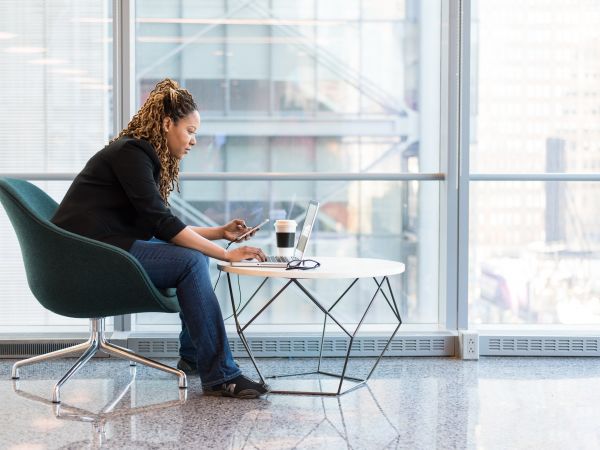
{"x":196,"y":268}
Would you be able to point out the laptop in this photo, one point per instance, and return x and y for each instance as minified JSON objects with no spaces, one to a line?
{"x":282,"y":261}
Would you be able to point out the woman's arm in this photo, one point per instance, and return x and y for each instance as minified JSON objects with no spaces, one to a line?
{"x":229,"y":231}
{"x":190,"y":239}
{"x":211,"y":233}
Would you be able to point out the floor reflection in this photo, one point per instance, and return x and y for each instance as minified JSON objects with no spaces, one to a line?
{"x":122,"y":405}
{"x":317,"y":422}
{"x":412,"y":403}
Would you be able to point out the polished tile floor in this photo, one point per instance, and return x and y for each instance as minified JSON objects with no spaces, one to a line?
{"x":414,"y":403}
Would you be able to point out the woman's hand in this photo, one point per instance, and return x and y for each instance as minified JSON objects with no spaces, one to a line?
{"x":245,"y":252}
{"x":234,"y":229}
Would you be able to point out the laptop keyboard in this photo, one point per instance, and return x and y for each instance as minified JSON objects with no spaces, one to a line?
{"x":278,"y":259}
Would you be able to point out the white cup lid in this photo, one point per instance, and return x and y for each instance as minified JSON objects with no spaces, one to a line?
{"x":285,"y":225}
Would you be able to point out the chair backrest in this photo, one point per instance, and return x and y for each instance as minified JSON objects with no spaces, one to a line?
{"x":70,"y":274}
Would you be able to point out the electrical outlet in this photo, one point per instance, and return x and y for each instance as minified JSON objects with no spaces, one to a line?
{"x":469,"y":344}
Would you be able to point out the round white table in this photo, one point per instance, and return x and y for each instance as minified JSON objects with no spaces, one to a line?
{"x":331,"y":268}
{"x":337,"y":268}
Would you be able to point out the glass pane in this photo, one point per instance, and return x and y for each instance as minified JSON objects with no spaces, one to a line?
{"x":249,"y":95}
{"x":338,"y":83}
{"x":284,"y":58}
{"x":294,"y":74}
{"x":533,"y":253}
{"x":387,"y":10}
{"x":21,"y":312}
{"x":310,"y":86}
{"x":211,"y":93}
{"x":301,"y":154}
{"x":56,"y":86}
{"x":535,"y":86}
{"x":374,"y":219}
{"x":55,"y":83}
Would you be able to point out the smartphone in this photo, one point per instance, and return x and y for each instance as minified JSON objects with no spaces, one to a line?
{"x":251,"y":230}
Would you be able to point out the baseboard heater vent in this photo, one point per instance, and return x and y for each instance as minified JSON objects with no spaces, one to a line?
{"x":27,"y":348}
{"x":539,"y":346}
{"x":308,"y":346}
{"x":271,"y":346}
{"x":301,"y":346}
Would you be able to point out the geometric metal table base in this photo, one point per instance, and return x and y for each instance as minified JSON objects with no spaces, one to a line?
{"x":96,"y":342}
{"x":327,"y":314}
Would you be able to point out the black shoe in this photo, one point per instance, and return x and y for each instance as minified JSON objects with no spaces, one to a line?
{"x":189,"y":367}
{"x":239,"y":387}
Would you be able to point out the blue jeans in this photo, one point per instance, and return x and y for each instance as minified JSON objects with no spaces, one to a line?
{"x":203,"y":338}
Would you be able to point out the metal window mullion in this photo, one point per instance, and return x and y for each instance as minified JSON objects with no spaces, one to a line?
{"x":332,"y":176}
{"x":271,"y":66}
{"x":315,"y":72}
{"x":321,"y":176}
{"x":535,"y":177}
{"x":45,"y":93}
{"x":116,"y":76}
{"x":361,"y":24}
{"x":256,"y":176}
{"x":123,"y":62}
{"x":463,"y":163}
{"x":226,"y":80}
{"x":182,"y":80}
{"x":454,"y":201}
{"x":427,"y":16}
{"x":123,"y":89}
{"x":118,"y":321}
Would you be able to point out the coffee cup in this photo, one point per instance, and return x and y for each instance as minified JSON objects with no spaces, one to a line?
{"x":285,"y":232}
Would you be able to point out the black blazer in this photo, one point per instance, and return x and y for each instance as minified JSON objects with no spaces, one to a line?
{"x":115,"y":198}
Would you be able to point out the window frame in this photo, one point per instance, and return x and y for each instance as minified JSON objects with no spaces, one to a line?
{"x":452,"y":176}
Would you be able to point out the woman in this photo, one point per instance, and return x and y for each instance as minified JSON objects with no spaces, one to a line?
{"x":120,"y":197}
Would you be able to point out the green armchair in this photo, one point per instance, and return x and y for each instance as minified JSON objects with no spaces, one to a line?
{"x":79,"y":277}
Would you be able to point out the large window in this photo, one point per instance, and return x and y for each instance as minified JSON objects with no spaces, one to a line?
{"x":534,"y":245}
{"x":55,"y":86}
{"x":364,"y":89}
{"x":313,"y":87}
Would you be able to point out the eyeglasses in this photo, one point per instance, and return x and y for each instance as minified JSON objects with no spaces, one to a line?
{"x":302,"y":264}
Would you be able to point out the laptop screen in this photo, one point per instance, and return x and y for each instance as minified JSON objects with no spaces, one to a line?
{"x":309,"y":220}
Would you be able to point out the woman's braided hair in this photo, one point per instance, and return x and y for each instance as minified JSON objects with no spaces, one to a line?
{"x":167,"y":99}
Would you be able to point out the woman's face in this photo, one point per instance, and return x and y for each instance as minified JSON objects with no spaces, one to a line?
{"x":181,"y":136}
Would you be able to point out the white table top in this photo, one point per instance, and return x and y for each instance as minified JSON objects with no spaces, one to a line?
{"x":330,"y":268}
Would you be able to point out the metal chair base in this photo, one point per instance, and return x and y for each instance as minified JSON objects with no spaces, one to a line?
{"x":96,"y":342}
